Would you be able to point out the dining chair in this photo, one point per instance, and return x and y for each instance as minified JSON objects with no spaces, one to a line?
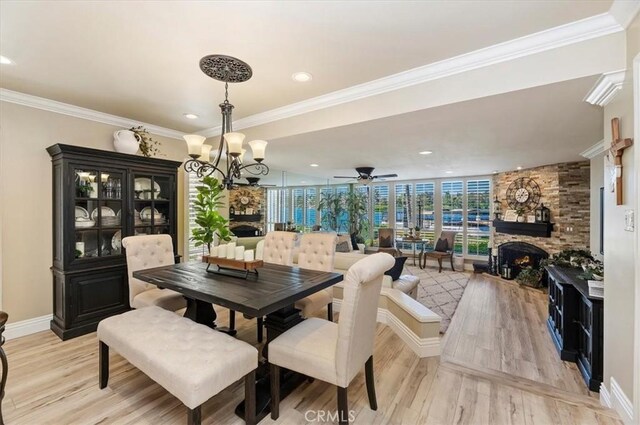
{"x":335,"y":352}
{"x":317,"y":252}
{"x":442,"y":248}
{"x":387,"y":241}
{"x":276,"y":248}
{"x":146,"y":252}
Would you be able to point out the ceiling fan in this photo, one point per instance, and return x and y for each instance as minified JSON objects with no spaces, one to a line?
{"x":365,"y":175}
{"x":253,"y":182}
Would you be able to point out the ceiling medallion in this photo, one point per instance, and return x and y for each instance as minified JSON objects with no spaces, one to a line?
{"x":229,"y":70}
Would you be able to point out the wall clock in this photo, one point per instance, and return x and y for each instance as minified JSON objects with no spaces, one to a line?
{"x":523,"y":193}
{"x":244,"y":200}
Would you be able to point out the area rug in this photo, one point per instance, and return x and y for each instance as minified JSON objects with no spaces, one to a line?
{"x":440,"y":292}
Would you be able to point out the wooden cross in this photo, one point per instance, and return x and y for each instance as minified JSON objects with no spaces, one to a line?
{"x":617,"y":149}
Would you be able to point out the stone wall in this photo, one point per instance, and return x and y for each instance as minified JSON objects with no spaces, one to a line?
{"x":565,"y":191}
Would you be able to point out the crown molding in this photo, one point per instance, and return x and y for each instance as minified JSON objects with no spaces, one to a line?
{"x":594,"y":150}
{"x":83,"y":113}
{"x":553,"y":38}
{"x":606,"y":88}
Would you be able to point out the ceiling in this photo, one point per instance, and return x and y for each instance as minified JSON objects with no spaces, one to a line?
{"x":140,"y":60}
{"x":527,"y":128}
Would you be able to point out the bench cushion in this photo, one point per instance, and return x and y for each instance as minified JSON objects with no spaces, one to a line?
{"x":191,"y":361}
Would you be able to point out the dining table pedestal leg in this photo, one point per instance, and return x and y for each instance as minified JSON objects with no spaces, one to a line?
{"x":203,"y":313}
{"x":276,"y":323}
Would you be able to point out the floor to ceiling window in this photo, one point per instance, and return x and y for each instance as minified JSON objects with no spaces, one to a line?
{"x":380,"y":209}
{"x":452,"y":211}
{"x":425,"y":209}
{"x":478,"y":216}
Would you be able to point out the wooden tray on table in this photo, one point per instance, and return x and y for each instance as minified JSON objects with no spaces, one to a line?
{"x":231,"y":267}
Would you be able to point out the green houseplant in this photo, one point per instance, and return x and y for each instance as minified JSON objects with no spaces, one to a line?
{"x":209,"y":220}
{"x":357,"y":208}
{"x":530,"y":276}
{"x":332,"y":206}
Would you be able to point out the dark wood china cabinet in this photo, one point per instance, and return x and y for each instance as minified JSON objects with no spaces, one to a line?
{"x":100,"y":197}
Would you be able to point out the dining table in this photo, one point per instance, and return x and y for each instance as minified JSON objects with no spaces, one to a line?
{"x":272,"y":292}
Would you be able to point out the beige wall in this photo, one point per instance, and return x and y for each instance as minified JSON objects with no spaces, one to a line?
{"x":25,"y":199}
{"x":597,"y":181}
{"x":618,"y":244}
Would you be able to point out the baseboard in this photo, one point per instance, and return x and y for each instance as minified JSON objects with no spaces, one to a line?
{"x":423,"y":347}
{"x":27,"y":327}
{"x":605,"y":398}
{"x":621,"y":403}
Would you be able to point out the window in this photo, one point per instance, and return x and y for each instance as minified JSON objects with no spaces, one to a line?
{"x":478,"y":216}
{"x":310,"y":208}
{"x":297,"y":202}
{"x":404,"y":206}
{"x":380,"y":207}
{"x":343,"y":218}
{"x":194,"y":252}
{"x":425,"y":209}
{"x":452,"y":208}
{"x":276,"y":207}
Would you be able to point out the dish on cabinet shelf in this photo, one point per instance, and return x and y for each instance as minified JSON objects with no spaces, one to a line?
{"x":147,"y":213}
{"x":106,"y":212}
{"x":84,"y":223}
{"x":144,"y":183}
{"x":81,"y":213}
{"x":116,"y":241}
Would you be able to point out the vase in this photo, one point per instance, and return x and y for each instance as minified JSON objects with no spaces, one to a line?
{"x":126,"y":141}
{"x":520,"y":219}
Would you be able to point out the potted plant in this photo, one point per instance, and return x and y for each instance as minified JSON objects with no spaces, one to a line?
{"x":530,"y":276}
{"x":209,"y":220}
{"x":357,"y":208}
{"x":593,"y":270}
{"x":521,"y":212}
{"x":332,"y":206}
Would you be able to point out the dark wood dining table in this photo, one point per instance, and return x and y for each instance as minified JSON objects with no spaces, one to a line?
{"x":271,"y":293}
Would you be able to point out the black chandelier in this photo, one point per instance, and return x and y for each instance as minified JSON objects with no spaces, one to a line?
{"x":230,"y":70}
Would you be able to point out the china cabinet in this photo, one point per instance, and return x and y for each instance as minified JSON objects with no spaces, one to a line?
{"x":100,"y":197}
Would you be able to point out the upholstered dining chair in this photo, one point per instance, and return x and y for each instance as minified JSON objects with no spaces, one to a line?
{"x":335,"y":352}
{"x":441,"y":252}
{"x":317,"y":252}
{"x":387,"y":241}
{"x":146,"y":252}
{"x":276,"y":248}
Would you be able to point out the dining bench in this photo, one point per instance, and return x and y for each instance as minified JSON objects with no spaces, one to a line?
{"x":191,"y":361}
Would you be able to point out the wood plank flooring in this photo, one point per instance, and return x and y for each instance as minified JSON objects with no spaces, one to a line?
{"x":498,"y":367}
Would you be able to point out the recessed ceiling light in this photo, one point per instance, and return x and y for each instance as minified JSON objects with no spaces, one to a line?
{"x":425,"y":153}
{"x":5,"y":60}
{"x":191,"y":116}
{"x":449,"y":172}
{"x":302,"y":77}
{"x":518,"y":168}
{"x":302,"y":181}
{"x":313,"y":165}
{"x":495,"y":171}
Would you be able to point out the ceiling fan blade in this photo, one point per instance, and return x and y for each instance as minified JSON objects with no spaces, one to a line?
{"x":267,"y":185}
{"x":382,"y":176}
{"x":344,"y":177}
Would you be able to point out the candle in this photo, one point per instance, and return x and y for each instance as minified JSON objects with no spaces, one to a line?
{"x":231,"y":250}
{"x":222,"y":250}
{"x":240,"y":253}
{"x":214,"y":251}
{"x":248,"y":255}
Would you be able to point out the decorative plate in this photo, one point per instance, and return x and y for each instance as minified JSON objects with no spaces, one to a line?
{"x":81,"y":213}
{"x":84,"y":223}
{"x":144,"y":183}
{"x":116,"y":241}
{"x":145,"y":214}
{"x":106,"y":212}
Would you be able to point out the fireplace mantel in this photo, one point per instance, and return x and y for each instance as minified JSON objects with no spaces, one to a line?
{"x":542,"y":230}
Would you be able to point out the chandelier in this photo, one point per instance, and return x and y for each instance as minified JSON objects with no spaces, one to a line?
{"x":229,"y":70}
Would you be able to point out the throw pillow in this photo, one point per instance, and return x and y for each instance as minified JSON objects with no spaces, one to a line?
{"x":385,"y":242}
{"x":354,"y":242}
{"x":442,"y":245}
{"x":343,"y":247}
{"x":396,"y":270}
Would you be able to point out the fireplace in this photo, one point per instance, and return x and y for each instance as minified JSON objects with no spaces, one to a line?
{"x":518,"y":255}
{"x":245,"y":230}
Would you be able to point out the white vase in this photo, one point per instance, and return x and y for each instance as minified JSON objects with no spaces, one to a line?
{"x":520,"y":219}
{"x":126,"y":141}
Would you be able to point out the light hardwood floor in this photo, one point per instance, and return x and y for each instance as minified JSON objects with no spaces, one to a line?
{"x":498,"y":367}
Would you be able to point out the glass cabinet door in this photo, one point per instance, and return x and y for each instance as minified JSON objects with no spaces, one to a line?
{"x":153,"y":212}
{"x":97,"y":215}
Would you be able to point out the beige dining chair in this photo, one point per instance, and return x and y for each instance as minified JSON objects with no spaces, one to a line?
{"x":335,"y":352}
{"x":276,"y":248}
{"x":317,"y":252}
{"x":146,"y":252}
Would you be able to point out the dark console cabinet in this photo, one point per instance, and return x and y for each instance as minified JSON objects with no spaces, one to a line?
{"x":576,"y":323}
{"x":100,"y":197}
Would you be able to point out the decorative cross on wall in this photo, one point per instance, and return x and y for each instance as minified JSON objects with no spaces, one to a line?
{"x":616,"y":151}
